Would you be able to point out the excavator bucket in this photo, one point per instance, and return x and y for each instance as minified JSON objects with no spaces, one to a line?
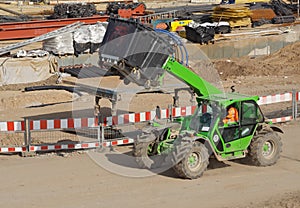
{"x":136,"y":51}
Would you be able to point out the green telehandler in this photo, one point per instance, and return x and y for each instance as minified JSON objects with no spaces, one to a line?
{"x":225,"y":126}
{"x":209,"y":132}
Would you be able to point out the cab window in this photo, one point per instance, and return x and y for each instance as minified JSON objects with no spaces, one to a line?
{"x":251,"y":113}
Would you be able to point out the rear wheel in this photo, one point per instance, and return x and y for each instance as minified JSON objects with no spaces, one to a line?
{"x":194,"y":163}
{"x":265,"y":149}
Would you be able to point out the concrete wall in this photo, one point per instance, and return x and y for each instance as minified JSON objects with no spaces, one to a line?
{"x":251,"y":46}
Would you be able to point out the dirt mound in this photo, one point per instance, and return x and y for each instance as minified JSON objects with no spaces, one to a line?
{"x":19,"y":87}
{"x":282,"y":63}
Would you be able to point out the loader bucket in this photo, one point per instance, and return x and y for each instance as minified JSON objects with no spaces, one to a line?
{"x":136,"y":51}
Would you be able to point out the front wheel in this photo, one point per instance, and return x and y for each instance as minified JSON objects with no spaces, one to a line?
{"x":265,"y":149}
{"x":194,"y":163}
{"x":146,"y":155}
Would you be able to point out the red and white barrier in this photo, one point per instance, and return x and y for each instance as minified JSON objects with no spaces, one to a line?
{"x":148,"y":116}
{"x":275,"y":98}
{"x":78,"y":146}
{"x":12,"y":149}
{"x":56,"y":147}
{"x":280,"y":120}
{"x":12,"y":126}
{"x":72,"y":123}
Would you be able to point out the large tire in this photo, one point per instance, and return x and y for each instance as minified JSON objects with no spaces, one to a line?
{"x":145,"y":157}
{"x":194,"y":163}
{"x":265,"y":149}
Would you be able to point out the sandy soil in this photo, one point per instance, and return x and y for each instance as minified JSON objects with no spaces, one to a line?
{"x":55,"y":181}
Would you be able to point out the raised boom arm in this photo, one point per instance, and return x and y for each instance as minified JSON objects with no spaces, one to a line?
{"x":200,"y":86}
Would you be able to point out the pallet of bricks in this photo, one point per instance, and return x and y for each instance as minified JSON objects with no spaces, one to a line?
{"x":236,"y":15}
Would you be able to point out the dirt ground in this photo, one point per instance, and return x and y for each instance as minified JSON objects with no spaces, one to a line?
{"x":74,"y":179}
{"x":68,"y":179}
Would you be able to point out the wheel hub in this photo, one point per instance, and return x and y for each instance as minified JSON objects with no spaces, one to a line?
{"x":268,"y":149}
{"x":194,"y":160}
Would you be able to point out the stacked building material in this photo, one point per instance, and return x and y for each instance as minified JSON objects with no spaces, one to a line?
{"x":88,"y":38}
{"x":262,"y":16}
{"x":200,"y":34}
{"x":284,"y":12}
{"x":205,"y":32}
{"x":276,"y":12}
{"x":236,"y":15}
{"x":60,"y":45}
{"x":77,"y":10}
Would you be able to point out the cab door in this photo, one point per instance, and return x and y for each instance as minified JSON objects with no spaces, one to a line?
{"x":229,"y":129}
{"x":251,"y":115}
{"x":237,"y":136}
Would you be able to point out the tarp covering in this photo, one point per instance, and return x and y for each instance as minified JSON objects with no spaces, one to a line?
{"x":26,"y":70}
{"x":60,"y":45}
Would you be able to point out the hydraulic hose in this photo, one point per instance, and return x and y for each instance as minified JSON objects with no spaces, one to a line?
{"x":178,"y":42}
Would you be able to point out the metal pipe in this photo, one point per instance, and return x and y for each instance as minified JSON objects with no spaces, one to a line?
{"x":53,"y":87}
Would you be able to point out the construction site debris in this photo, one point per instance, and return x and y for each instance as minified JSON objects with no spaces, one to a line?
{"x":26,"y":70}
{"x":86,"y":38}
{"x":205,"y":32}
{"x":66,"y":29}
{"x":200,"y":34}
{"x":83,"y":71}
{"x":62,"y":11}
{"x":126,"y":10}
{"x":259,"y":14}
{"x":6,"y":18}
{"x":262,"y":16}
{"x":32,"y":53}
{"x":188,"y":9}
{"x":275,"y":12}
{"x":53,"y":87}
{"x":283,"y":19}
{"x":200,"y":18}
{"x":236,"y":15}
{"x":138,"y":9}
{"x":219,"y":27}
{"x":89,"y":37}
{"x":281,"y":8}
{"x":60,"y":45}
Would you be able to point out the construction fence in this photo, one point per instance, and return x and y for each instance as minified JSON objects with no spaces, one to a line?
{"x":31,"y":136}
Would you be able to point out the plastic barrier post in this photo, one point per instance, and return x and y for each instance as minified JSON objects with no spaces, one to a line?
{"x":27,"y":133}
{"x":296,"y":103}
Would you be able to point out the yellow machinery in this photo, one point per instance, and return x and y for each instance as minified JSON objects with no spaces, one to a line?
{"x":176,"y":24}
